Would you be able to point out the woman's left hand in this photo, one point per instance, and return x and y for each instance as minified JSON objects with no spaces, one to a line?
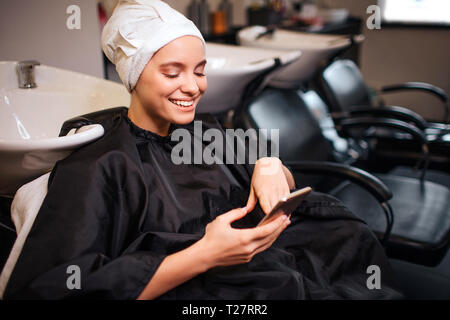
{"x":269,"y":184}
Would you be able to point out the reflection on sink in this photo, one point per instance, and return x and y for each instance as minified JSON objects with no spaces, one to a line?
{"x":315,"y":48}
{"x":231,"y":68}
{"x":30,"y":119}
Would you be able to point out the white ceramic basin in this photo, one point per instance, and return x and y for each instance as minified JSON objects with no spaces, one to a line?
{"x":315,"y":48}
{"x":231,"y":68}
{"x":30,"y":119}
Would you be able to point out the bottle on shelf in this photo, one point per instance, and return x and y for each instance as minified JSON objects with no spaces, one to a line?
{"x":227,"y":8}
{"x":204,"y":18}
{"x":194,"y":12}
{"x":219,"y":22}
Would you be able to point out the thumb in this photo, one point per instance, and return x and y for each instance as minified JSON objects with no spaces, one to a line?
{"x":235,"y":214}
{"x":251,"y":202}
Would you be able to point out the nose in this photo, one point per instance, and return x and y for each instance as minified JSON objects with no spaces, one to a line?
{"x":190,"y":86}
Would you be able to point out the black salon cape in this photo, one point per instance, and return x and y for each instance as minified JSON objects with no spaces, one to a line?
{"x":117,"y":207}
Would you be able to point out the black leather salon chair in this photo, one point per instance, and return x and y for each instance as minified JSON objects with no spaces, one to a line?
{"x":343,"y":88}
{"x":319,"y":110}
{"x":421,"y":223}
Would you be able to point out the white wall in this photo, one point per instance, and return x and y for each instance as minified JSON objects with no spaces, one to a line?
{"x":36,"y":29}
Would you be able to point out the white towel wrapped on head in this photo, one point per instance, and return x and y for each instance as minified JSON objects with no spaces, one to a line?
{"x":136,"y":30}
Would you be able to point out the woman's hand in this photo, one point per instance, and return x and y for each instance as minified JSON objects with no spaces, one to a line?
{"x":270,"y":182}
{"x":224,"y":245}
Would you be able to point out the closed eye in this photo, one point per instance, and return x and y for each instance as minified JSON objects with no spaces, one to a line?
{"x":171,"y":76}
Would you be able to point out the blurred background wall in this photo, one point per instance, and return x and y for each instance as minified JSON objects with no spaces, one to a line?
{"x":390,"y":55}
{"x":36,"y":29}
{"x":399,"y":54}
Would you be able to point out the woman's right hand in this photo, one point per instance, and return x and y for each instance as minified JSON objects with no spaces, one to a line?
{"x":224,"y":245}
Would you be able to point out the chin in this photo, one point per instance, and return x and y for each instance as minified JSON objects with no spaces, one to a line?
{"x":186,"y":118}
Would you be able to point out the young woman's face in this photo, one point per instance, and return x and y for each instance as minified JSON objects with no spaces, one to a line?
{"x":173,"y":82}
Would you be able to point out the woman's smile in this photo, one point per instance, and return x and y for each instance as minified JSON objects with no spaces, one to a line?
{"x":184,"y":105}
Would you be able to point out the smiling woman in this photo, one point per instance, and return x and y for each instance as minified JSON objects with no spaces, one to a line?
{"x":138,"y":226}
{"x":170,"y":86}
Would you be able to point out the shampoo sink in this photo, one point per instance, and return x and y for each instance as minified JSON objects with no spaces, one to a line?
{"x":30,"y":119}
{"x":315,"y":49}
{"x":231,"y":68}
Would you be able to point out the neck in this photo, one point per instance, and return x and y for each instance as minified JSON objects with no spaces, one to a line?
{"x":140,"y":117}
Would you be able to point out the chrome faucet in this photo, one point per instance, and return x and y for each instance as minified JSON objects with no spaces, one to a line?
{"x":25,"y":71}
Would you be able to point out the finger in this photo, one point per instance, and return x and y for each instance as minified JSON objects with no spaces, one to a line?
{"x":276,"y":196}
{"x":264,"y":203}
{"x":271,"y":200}
{"x":286,"y":190}
{"x":268,"y":202}
{"x":251,"y":202}
{"x":265,"y":246}
{"x":268,"y":228}
{"x":267,"y":242}
{"x":269,"y":166}
{"x":282,"y":193}
{"x":234,"y":214}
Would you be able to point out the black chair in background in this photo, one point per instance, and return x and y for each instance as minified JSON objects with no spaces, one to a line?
{"x":421,"y":227}
{"x":345,"y":92}
{"x":360,"y":146}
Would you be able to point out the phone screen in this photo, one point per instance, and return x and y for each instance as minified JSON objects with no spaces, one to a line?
{"x":286,"y":205}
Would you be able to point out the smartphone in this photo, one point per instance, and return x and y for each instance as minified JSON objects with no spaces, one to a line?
{"x":286,"y":205}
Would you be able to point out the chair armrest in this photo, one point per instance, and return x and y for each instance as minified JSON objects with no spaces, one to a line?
{"x":421,"y":86}
{"x":90,"y":118}
{"x":395,"y":112}
{"x":360,"y":177}
{"x":365,"y":122}
{"x":417,"y":134}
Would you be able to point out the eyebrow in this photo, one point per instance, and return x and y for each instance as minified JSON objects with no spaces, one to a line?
{"x":180,"y":65}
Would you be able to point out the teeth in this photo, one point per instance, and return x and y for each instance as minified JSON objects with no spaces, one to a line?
{"x":183,"y":103}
